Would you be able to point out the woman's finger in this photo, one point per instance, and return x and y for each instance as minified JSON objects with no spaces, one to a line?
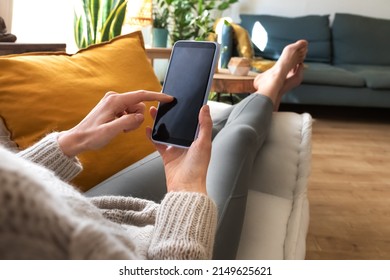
{"x":205,"y":125}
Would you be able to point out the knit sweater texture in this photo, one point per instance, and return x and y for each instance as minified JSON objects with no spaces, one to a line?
{"x":44,"y":217}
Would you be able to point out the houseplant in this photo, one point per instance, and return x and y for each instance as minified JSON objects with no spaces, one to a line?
{"x":160,"y":15}
{"x":194,"y":19}
{"x":98,"y":21}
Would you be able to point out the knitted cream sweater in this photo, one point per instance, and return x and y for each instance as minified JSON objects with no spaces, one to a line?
{"x":43,"y":217}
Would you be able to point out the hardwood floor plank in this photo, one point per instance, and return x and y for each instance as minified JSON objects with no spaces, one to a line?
{"x":349,"y":186}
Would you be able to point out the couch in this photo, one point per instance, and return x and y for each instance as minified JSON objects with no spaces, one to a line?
{"x":45,"y":91}
{"x":348,"y":62}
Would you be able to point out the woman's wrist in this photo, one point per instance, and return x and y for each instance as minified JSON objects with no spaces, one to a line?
{"x":196,"y":186}
{"x":70,"y":143}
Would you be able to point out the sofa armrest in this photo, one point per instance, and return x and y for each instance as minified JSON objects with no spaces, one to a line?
{"x":277,"y":213}
{"x":277,"y":210}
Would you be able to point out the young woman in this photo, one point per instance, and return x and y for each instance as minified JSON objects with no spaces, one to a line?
{"x":43,"y":217}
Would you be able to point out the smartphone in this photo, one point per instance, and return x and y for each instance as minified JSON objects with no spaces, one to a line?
{"x":188,"y":79}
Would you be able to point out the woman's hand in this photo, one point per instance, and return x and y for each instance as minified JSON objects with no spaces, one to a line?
{"x":114,"y":114}
{"x":186,"y":169}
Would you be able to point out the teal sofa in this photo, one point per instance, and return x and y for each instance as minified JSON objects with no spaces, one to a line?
{"x":348,"y":62}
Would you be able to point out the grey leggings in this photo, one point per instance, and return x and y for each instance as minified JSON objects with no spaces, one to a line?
{"x":239,"y":133}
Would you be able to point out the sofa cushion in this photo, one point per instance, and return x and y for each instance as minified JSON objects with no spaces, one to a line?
{"x":234,"y":40}
{"x":265,"y":227}
{"x":326,"y":74}
{"x":376,"y":77}
{"x":243,"y":41}
{"x":361,"y":40}
{"x":45,"y":92}
{"x":285,"y":30}
{"x":225,"y":37}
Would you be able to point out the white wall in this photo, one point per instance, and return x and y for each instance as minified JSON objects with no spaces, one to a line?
{"x":51,"y":21}
{"x":292,"y":8}
{"x":43,"y":21}
{"x":6,"y":12}
{"x":46,"y":21}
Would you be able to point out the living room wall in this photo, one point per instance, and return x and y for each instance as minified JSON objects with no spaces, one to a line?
{"x":52,"y":20}
{"x":43,"y":21}
{"x":373,"y":8}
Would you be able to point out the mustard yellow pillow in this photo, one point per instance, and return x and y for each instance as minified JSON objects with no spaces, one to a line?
{"x":262,"y":65}
{"x":45,"y":92}
{"x":243,"y":41}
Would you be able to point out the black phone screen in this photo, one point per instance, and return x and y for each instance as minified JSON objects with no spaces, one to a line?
{"x":188,"y":80}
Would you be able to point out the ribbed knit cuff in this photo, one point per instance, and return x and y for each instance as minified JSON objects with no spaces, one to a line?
{"x":48,"y":153}
{"x":185,"y":227}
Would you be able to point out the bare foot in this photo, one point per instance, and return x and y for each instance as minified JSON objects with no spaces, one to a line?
{"x":273,"y":82}
{"x":294,"y":78}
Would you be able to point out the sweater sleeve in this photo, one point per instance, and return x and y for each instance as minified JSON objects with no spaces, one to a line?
{"x":185,"y":227}
{"x":126,"y":210}
{"x":48,"y":153}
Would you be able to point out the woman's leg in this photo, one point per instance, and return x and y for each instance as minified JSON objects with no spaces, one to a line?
{"x":233,"y":153}
{"x":236,"y":145}
{"x":143,"y":179}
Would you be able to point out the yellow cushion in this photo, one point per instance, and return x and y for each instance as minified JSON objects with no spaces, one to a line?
{"x":45,"y":92}
{"x":243,"y":41}
{"x":262,"y":65}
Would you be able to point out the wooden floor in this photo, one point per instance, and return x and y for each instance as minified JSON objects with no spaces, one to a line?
{"x":349,"y":187}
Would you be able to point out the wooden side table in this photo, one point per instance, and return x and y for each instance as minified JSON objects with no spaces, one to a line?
{"x":158,"y":53}
{"x":224,"y":82}
{"x":15,"y":48}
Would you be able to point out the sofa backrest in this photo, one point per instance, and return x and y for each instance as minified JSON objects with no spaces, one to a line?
{"x":285,"y":30}
{"x":361,"y":40}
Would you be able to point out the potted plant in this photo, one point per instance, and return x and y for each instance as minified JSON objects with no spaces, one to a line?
{"x":160,"y":14}
{"x":98,"y":21}
{"x":194,"y":19}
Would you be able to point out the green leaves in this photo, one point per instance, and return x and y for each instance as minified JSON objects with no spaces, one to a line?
{"x":194,"y":19}
{"x":223,"y":5}
{"x":113,"y":25}
{"x":160,"y":13}
{"x":98,"y":21}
